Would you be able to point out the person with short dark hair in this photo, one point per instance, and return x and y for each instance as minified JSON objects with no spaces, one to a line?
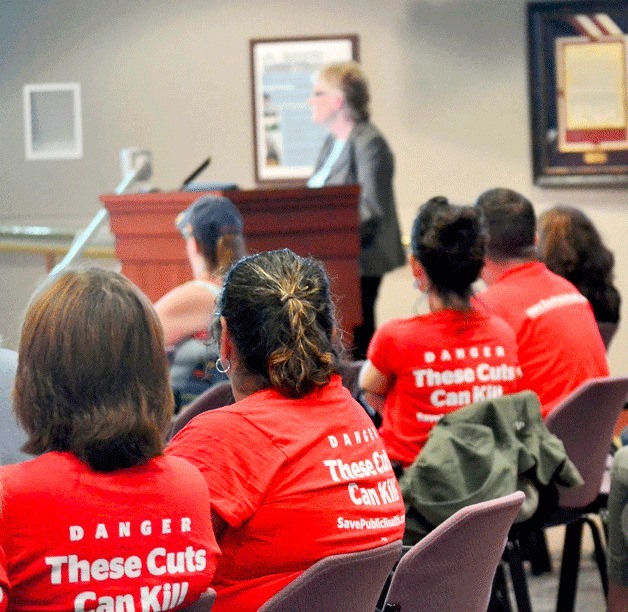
{"x":571,"y":246}
{"x":511,"y":224}
{"x":282,"y":463}
{"x":423,"y":367}
{"x":559,"y":343}
{"x":356,"y":152}
{"x":100,"y":514}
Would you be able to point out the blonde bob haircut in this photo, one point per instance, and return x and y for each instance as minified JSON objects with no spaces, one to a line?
{"x":351,"y":81}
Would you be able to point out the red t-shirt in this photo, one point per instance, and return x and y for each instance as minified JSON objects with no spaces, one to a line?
{"x":438,"y":363}
{"x":296,"y":480}
{"x":133,"y":539}
{"x":559,"y":341}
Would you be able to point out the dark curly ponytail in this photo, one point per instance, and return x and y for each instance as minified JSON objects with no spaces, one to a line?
{"x":281,"y":319}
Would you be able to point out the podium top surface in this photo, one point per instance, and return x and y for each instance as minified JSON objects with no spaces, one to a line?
{"x":324,"y":197}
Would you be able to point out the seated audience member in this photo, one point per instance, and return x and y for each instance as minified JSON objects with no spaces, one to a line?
{"x":571,"y":247}
{"x":618,"y":534}
{"x":12,"y":436}
{"x":559,"y":342}
{"x":423,"y":367}
{"x":295,"y":467}
{"x":100,"y":517}
{"x":212,"y":228}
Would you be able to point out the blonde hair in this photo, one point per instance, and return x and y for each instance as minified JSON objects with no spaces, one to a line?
{"x":349,"y":78}
{"x":221,"y":255}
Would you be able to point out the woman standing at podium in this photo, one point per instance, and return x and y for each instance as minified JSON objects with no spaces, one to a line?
{"x":355,"y":152}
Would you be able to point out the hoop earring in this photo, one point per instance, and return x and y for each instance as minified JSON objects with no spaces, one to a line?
{"x":222,"y":367}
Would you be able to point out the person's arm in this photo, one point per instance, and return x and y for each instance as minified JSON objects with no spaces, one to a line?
{"x":374,"y":172}
{"x":219,"y":525}
{"x":617,"y":548}
{"x":374,"y":385}
{"x":184,"y":311}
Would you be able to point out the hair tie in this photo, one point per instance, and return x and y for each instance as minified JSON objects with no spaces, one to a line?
{"x":288,"y":296}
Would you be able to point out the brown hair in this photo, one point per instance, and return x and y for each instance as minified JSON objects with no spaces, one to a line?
{"x":281,"y":319}
{"x":92,"y":374}
{"x":349,"y":78}
{"x":571,"y":246}
{"x":222,"y":254}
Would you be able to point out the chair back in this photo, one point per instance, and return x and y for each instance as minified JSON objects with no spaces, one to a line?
{"x":453,"y":567}
{"x":584,"y":421}
{"x":349,"y":582}
{"x":204,"y":603}
{"x":607,"y":331}
{"x":350,"y":373}
{"x":216,"y":396}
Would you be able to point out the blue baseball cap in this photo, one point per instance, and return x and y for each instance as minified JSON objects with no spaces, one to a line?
{"x":209,"y":218}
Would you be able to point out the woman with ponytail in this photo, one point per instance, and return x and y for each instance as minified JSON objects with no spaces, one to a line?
{"x":282,"y":462}
{"x":419,"y":369}
{"x":89,"y":520}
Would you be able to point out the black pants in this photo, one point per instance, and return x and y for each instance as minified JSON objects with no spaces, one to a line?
{"x":362,"y":334}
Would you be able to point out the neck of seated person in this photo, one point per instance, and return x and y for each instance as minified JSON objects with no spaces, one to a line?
{"x":448,"y":302}
{"x":342,"y":125}
{"x":494,"y":269}
{"x":244,"y":383}
{"x":201,"y":271}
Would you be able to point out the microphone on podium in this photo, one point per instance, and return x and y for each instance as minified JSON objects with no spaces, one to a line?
{"x":194,"y":174}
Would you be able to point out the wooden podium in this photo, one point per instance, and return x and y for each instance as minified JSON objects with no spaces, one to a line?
{"x":322,"y":223}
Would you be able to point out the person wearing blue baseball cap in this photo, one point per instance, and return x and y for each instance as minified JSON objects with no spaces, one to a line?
{"x":212,"y":228}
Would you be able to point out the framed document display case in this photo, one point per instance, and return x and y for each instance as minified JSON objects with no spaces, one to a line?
{"x":578,"y":70}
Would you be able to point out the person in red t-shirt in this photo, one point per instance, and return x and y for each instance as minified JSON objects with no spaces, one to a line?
{"x":421,"y":368}
{"x":296,"y":470}
{"x":100,"y":520}
{"x":560,"y":346}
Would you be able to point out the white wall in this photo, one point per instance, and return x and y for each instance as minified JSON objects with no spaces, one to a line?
{"x":449,"y":86}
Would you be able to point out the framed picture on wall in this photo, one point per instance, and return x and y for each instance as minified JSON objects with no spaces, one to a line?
{"x":285,"y":139}
{"x":578,"y":69}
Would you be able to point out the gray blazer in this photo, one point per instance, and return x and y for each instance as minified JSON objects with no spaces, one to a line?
{"x":367,"y":160}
